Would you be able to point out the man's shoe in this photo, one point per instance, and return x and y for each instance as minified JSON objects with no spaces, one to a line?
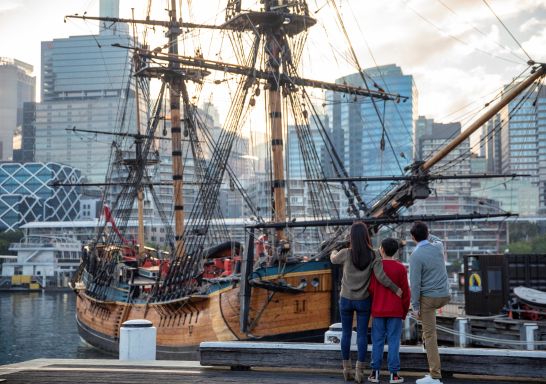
{"x":396,"y":378}
{"x":374,"y":377}
{"x":428,"y":380}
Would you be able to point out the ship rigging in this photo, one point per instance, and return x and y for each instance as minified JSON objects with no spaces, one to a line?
{"x":208,"y":289}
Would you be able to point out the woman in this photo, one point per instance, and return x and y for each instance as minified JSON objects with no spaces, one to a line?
{"x":359,"y":261}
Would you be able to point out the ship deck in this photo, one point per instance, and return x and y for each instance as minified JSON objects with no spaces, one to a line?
{"x":42,"y":371}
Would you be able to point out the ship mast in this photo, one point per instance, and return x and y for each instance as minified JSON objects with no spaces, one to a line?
{"x":275,"y":22}
{"x":275,"y":43}
{"x":176,"y":131}
{"x":140,"y":192}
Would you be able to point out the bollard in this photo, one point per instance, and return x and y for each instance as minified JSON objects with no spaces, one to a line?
{"x":461,"y":327}
{"x":409,"y":330}
{"x":137,"y":340}
{"x":333,"y":335}
{"x":527,"y":334}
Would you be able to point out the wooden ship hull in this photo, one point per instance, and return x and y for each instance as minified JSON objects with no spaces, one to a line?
{"x":296,"y":314}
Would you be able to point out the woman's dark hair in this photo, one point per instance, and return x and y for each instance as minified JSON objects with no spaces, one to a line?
{"x":361,"y":248}
{"x":419,"y":231}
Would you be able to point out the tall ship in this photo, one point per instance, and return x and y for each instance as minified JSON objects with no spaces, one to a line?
{"x":202,"y":285}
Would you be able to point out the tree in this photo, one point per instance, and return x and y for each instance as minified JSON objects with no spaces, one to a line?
{"x":6,"y":238}
{"x":533,"y":245}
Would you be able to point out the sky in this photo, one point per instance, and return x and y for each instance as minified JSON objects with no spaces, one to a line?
{"x":457,"y":50}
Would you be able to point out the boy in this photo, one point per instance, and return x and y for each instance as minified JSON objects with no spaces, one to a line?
{"x":388,"y":311}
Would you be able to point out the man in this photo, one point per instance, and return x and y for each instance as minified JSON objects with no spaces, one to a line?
{"x":429,"y":292}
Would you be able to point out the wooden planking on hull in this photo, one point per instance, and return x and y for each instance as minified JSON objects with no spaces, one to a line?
{"x":188,"y":322}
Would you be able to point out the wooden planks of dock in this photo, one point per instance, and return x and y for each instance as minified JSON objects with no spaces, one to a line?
{"x":46,"y":371}
{"x":480,"y":361}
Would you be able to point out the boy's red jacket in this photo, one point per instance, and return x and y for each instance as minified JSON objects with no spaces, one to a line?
{"x":384,"y":302}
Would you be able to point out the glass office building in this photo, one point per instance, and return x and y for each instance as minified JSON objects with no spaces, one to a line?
{"x":26,"y":194}
{"x":358,"y":133}
{"x":87,"y":85}
{"x":17,"y":86}
{"x":298,"y":147}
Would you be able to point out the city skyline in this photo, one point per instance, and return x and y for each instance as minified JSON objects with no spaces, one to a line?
{"x":454,"y":50}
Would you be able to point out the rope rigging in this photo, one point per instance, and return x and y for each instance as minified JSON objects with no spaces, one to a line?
{"x":187,"y":256}
{"x":491,"y":134}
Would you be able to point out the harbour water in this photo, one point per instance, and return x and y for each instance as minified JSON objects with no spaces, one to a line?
{"x":41,"y":325}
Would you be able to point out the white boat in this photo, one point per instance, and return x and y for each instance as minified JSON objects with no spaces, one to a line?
{"x":531,"y":296}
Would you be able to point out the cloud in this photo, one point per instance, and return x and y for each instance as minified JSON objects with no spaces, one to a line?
{"x":440,"y":96}
{"x":9,"y":5}
{"x":535,"y":46}
{"x":532,"y":24}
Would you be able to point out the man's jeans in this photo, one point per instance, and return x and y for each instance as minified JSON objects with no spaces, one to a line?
{"x":391,"y":329}
{"x":347,"y":308}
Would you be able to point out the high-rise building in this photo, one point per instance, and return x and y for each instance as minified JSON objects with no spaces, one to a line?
{"x":541,"y":149}
{"x":514,"y":141}
{"x":423,"y":126}
{"x":17,"y":86}
{"x":25,"y":154}
{"x":375,"y":137}
{"x":86,"y":84}
{"x":519,"y":144}
{"x":299,"y":148}
{"x":457,"y":162}
{"x":491,"y":144}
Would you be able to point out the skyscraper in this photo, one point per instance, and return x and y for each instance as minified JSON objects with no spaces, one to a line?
{"x":299,"y":148}
{"x":86,"y":84}
{"x":541,"y":149}
{"x":375,"y":137}
{"x":515,"y":142}
{"x":457,"y":162}
{"x":25,"y":154}
{"x":17,"y":86}
{"x":520,"y":140}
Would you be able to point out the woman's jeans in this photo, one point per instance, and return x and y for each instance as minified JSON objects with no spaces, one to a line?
{"x":347,"y":308}
{"x":389,"y":328}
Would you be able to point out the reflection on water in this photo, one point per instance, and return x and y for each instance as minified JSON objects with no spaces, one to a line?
{"x":41,"y":325}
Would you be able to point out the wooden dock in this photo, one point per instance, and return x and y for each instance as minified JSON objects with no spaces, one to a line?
{"x":479,"y":361}
{"x":49,"y":371}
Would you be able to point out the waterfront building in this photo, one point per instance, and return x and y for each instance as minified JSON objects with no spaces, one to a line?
{"x":17,"y":85}
{"x":50,"y":261}
{"x":27,"y":194}
{"x":374,"y":138}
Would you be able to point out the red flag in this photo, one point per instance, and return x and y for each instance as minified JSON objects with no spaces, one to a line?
{"x":108,"y":217}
